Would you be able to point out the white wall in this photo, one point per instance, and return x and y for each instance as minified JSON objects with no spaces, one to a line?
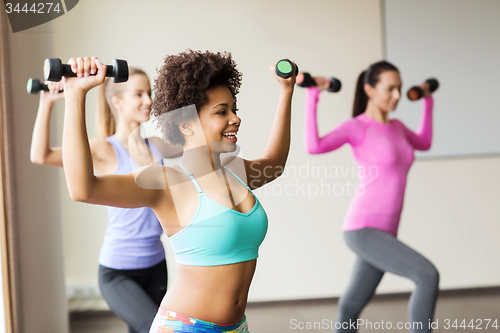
{"x":450,"y":214}
{"x":455,"y":41}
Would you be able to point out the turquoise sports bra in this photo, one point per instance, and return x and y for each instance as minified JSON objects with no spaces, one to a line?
{"x":218,"y":235}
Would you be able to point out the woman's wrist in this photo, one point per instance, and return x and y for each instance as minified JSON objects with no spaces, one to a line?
{"x":287,"y":90}
{"x":46,"y":101}
{"x":75,"y":93}
{"x":428,"y":99}
{"x":313,"y":93}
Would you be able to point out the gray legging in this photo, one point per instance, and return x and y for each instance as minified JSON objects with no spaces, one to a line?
{"x":134,"y":295}
{"x":379,"y":252}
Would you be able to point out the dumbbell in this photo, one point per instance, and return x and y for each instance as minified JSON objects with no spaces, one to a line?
{"x":54,"y":70}
{"x":306,"y":80}
{"x":34,"y":86}
{"x":415,"y":93}
{"x":284,"y":68}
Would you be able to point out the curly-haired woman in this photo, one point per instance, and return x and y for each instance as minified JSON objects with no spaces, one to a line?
{"x":132,"y":266}
{"x":214,"y":221}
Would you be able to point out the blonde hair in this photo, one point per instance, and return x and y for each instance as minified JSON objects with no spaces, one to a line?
{"x":106,"y":114}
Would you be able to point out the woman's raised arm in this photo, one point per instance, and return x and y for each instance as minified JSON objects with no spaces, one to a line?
{"x":83,"y":185}
{"x":315,"y":144}
{"x":41,"y":151}
{"x":272,"y":163}
{"x":422,"y":139}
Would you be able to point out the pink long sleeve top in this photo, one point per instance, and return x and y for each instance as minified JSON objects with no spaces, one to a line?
{"x":383,"y":154}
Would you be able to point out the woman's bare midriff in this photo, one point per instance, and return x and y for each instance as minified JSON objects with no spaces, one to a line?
{"x":216,"y":294}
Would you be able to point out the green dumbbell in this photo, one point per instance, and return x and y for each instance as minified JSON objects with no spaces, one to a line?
{"x":285,"y":68}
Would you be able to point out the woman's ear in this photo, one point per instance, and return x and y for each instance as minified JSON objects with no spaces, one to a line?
{"x":115,"y":101}
{"x":186,"y":128}
{"x":368,"y":89}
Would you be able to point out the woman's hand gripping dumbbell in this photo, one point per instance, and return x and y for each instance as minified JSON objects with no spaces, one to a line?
{"x":34,"y":86}
{"x":285,"y":68}
{"x":330,"y":84}
{"x":424,"y":90}
{"x":54,"y":70}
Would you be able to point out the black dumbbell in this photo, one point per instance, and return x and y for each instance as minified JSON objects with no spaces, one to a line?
{"x":306,"y":80}
{"x":34,"y":86}
{"x":415,"y":93}
{"x":54,"y":70}
{"x":284,"y":68}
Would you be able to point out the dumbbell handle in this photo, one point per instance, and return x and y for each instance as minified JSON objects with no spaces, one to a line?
{"x":44,"y":87}
{"x":66,"y":71}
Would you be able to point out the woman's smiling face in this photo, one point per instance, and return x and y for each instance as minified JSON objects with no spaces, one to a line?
{"x":134,"y":103}
{"x":218,"y":120}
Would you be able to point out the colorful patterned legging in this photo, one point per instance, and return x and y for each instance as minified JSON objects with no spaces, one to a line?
{"x":171,"y":322}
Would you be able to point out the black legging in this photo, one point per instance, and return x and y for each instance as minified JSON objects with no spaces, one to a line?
{"x":379,"y":252}
{"x":134,"y":295}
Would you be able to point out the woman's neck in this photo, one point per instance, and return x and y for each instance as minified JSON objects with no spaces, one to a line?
{"x":124,"y":129}
{"x":201,"y":161}
{"x":376,"y":113}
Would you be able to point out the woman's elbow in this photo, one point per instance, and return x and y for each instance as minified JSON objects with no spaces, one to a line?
{"x":79,"y":196}
{"x":37,"y":159}
{"x":312,"y":150}
{"x":425,"y":146}
{"x":79,"y":193}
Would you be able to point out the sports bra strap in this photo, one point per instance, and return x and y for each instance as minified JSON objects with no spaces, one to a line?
{"x":154,"y":152}
{"x":237,"y":178}
{"x":190,"y":175}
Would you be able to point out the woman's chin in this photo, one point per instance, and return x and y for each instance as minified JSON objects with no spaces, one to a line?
{"x":223,"y":147}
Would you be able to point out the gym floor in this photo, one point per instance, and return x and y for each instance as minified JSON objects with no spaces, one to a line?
{"x":479,"y":305}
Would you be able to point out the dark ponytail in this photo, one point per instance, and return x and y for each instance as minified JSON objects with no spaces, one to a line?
{"x":360,"y":97}
{"x":370,"y":76}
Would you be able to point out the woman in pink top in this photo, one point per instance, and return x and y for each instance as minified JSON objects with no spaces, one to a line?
{"x":383,"y":150}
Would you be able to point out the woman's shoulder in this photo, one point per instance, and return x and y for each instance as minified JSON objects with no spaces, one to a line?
{"x":396,"y":122}
{"x":155,"y":140}
{"x":159,"y":176}
{"x":100,"y":145}
{"x":356,"y":123}
{"x":356,"y":128}
{"x":167,"y":150}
